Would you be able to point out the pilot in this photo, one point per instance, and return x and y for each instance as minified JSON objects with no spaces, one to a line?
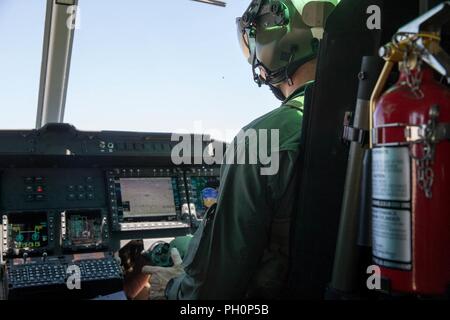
{"x":241,"y":250}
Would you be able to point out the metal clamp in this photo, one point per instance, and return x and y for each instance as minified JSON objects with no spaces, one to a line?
{"x":428,"y":135}
{"x":352,"y":134}
{"x":417,"y":134}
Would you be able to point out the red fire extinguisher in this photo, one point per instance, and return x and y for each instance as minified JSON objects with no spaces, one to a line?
{"x":410,"y":141}
{"x":411,"y":184}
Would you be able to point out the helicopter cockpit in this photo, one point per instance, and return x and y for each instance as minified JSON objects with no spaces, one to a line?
{"x":116,"y":118}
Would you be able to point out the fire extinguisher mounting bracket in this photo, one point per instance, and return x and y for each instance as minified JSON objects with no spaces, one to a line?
{"x":352,"y":134}
{"x":430,"y":133}
{"x":417,"y":134}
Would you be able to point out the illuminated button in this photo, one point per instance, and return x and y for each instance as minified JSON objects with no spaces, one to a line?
{"x":80,"y":188}
{"x":71,"y":188}
{"x":90,"y":196}
{"x":39,"y":189}
{"x":39,"y":197}
{"x":89,"y":179}
{"x":81,"y":196}
{"x":71,"y":196}
{"x":28,"y":188}
{"x":29,"y":197}
{"x":90,"y":187}
{"x":39,"y":179}
{"x":28,"y":180}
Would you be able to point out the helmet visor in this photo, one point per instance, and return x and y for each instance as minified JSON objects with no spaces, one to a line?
{"x":246,"y":40}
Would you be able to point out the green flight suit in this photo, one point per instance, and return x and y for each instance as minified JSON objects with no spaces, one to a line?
{"x":242,"y":249}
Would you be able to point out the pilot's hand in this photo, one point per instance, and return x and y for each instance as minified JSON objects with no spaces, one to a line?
{"x":160,"y":276}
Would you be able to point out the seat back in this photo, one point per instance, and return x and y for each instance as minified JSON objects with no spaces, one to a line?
{"x":347,"y":39}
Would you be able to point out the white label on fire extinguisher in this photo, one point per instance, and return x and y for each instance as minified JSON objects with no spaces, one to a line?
{"x":391,"y":236}
{"x":391,"y":203}
{"x":391,"y":174}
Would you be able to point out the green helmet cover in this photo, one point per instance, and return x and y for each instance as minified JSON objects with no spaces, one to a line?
{"x":279,"y":36}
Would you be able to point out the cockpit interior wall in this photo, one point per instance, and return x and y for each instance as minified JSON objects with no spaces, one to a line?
{"x":346,"y":40}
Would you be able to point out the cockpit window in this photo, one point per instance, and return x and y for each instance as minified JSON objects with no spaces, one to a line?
{"x":21,"y":35}
{"x":170,"y":66}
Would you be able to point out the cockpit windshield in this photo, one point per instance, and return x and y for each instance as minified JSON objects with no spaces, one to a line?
{"x":21,"y":33}
{"x":170,"y":66}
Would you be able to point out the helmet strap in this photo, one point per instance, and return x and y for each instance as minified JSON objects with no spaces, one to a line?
{"x":286,"y":70}
{"x":277,"y":92}
{"x":256,"y":77}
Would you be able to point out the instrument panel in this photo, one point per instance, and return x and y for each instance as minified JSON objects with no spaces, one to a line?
{"x":71,"y":198}
{"x":97,"y":192}
{"x":60,"y":210}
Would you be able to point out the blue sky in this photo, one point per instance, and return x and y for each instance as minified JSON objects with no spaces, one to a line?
{"x":139,"y":65}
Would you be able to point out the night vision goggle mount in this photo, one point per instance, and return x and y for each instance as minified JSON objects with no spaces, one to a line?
{"x":270,"y":15}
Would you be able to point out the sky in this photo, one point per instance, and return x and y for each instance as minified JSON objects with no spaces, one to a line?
{"x":137,"y":65}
